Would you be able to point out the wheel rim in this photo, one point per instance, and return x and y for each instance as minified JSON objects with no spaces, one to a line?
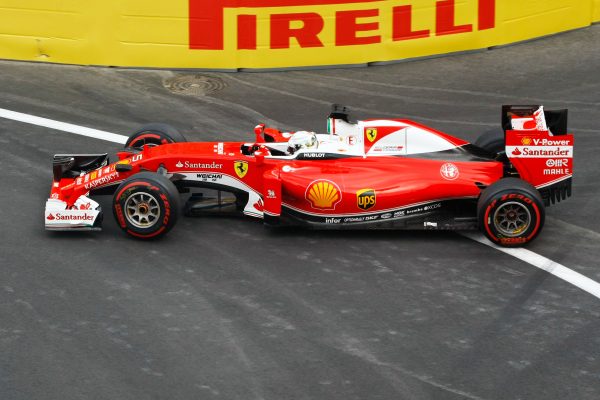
{"x":142,"y":210}
{"x":144,"y":142}
{"x":512,"y":219}
{"x":149,"y":139}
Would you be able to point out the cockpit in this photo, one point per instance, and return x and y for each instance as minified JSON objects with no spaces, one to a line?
{"x":369,"y":138}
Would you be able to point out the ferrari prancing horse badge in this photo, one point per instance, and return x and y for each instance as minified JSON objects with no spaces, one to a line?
{"x":371,"y":134}
{"x":241,"y":168}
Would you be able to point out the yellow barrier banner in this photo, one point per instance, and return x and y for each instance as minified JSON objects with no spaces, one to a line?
{"x":234,"y":34}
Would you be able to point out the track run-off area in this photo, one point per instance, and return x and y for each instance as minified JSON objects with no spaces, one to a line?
{"x":223,"y":308}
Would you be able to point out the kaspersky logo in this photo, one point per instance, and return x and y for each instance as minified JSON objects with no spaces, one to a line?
{"x":306,"y":26}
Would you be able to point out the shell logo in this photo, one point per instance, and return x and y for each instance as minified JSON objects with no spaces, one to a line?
{"x":526,"y":141}
{"x":323,"y":194}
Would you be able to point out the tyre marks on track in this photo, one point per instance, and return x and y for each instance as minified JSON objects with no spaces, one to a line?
{"x":541,"y":262}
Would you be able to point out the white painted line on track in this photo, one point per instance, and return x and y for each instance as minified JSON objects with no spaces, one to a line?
{"x":62,"y":126}
{"x":537,"y":260}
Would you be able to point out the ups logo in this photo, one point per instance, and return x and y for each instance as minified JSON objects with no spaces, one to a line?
{"x":365,"y":198}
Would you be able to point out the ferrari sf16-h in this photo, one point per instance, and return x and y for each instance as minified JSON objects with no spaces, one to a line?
{"x":377,"y":173}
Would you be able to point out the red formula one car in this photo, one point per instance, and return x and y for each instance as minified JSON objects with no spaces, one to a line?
{"x":380,"y":173}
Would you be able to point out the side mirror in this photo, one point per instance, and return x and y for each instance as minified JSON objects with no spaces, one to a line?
{"x":123,"y":167}
{"x":258,"y":131}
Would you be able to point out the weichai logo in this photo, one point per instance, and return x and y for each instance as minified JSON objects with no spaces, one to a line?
{"x":308,"y":26}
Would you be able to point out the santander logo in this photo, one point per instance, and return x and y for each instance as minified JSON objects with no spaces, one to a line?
{"x":179,"y":164}
{"x":516,"y":152}
{"x":70,"y":217}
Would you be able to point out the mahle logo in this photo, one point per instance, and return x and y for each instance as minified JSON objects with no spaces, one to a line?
{"x":365,"y":198}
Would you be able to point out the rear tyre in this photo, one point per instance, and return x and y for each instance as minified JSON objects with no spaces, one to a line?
{"x":146,"y":205}
{"x":154,"y":134}
{"x":491,"y":141}
{"x":511,"y":212}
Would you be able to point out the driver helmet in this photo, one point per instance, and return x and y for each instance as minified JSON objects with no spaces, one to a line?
{"x":302,"y":140}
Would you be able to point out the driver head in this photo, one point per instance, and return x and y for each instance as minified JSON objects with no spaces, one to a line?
{"x":302,"y":140}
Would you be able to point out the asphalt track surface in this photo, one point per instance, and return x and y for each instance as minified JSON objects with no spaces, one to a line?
{"x":223,"y":308}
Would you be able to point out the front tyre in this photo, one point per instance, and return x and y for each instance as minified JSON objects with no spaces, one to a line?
{"x":146,"y":205}
{"x":511,"y":212}
{"x":154,"y":134}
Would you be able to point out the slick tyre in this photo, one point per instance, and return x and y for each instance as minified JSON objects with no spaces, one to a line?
{"x":511,"y":212}
{"x":146,"y":205}
{"x":491,"y":141}
{"x":154,"y":134}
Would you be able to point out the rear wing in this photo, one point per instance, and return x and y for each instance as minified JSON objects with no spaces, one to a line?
{"x":538,"y":146}
{"x":555,"y":120}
